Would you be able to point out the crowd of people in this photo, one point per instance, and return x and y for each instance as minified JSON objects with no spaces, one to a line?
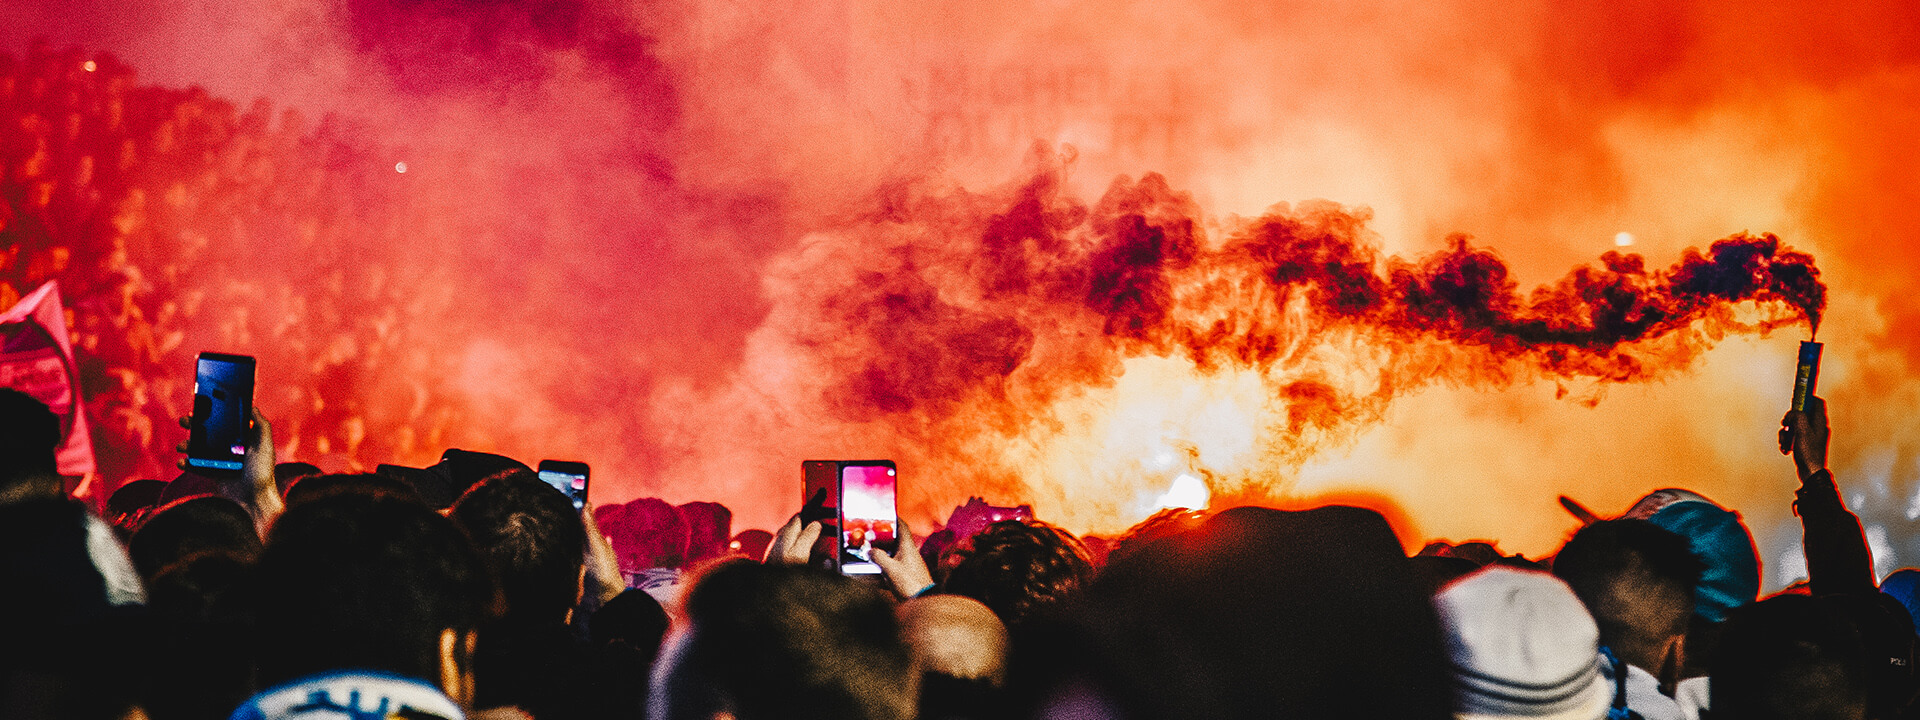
{"x":173,"y":221}
{"x":474,"y":588}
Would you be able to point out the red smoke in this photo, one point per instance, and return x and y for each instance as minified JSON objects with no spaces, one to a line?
{"x":970,"y":318}
{"x":693,"y":243}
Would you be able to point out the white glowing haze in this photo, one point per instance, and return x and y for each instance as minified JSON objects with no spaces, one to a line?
{"x":648,"y":255}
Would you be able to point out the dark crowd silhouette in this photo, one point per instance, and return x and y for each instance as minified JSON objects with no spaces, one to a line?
{"x":473,"y":588}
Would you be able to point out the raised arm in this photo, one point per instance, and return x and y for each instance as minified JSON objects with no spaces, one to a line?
{"x":1838,"y":559}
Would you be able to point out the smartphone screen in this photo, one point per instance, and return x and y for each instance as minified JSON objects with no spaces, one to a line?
{"x":868,"y":518}
{"x":567,"y":477}
{"x":222,"y":405}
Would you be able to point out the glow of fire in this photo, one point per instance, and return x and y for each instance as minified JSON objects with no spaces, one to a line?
{"x":1120,"y":453}
{"x":1188,"y":492}
{"x":1695,"y":169}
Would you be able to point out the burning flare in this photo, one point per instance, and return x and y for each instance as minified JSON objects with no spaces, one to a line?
{"x":1052,"y":350}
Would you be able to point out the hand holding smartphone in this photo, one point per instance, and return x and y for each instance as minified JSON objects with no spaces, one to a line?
{"x":860,"y":497}
{"x":217,"y":432}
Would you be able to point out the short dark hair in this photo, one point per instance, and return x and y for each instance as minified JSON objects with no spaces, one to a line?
{"x":1636,"y":578}
{"x":65,"y":638}
{"x":779,"y":641}
{"x":29,"y":437}
{"x":532,"y":538}
{"x":353,"y":580}
{"x":312,"y":487}
{"x":133,"y":497}
{"x":1165,"y":523}
{"x":1255,"y":613}
{"x":1789,"y":656}
{"x":287,"y":473}
{"x":200,"y":663}
{"x":188,"y":526}
{"x":1019,"y":568}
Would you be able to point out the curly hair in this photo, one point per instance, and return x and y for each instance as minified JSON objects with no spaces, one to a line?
{"x":1020,"y":568}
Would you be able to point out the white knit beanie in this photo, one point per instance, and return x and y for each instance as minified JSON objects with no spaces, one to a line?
{"x":1521,"y":645}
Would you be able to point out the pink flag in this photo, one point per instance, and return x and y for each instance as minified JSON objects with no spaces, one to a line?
{"x":37,"y":359}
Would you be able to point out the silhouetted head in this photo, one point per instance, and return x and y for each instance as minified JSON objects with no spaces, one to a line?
{"x":1903,"y":586}
{"x":1637,"y":580}
{"x":709,"y":529}
{"x":647,"y":533}
{"x":956,"y":636}
{"x":69,"y":606}
{"x":1790,"y":656}
{"x":287,"y":473}
{"x":314,"y":487}
{"x":131,"y":502}
{"x":788,"y":642}
{"x":1731,"y":577}
{"x":1255,"y":613}
{"x":1019,"y":568}
{"x":1167,"y":522}
{"x":202,"y":666}
{"x":29,"y":444}
{"x":634,"y":619}
{"x":463,"y":468}
{"x":184,"y":528}
{"x":365,"y":581}
{"x":532,"y":537}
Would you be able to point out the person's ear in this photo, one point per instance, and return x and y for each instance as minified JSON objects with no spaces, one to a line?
{"x":456,"y":664}
{"x":1674,"y":663}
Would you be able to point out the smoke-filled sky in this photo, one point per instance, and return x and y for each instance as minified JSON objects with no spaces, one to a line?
{"x":681,"y":231}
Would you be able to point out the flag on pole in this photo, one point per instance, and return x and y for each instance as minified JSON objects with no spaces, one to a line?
{"x":36,"y":358}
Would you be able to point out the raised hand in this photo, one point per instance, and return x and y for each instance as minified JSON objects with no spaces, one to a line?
{"x":1805,"y":434}
{"x":793,"y":543}
{"x":907,"y":572}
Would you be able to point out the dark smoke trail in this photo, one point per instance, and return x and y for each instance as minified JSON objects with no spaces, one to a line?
{"x":987,"y":312}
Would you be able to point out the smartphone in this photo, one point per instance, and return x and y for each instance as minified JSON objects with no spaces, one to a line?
{"x":869,"y":518}
{"x":222,"y":409}
{"x":567,"y":477}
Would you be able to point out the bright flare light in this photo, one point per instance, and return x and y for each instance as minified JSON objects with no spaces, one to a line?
{"x":1187,"y":492}
{"x":1624,"y":239}
{"x":400,"y":167}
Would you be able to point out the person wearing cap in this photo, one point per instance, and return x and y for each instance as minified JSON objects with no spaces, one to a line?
{"x":1521,"y":645}
{"x":1637,"y":580}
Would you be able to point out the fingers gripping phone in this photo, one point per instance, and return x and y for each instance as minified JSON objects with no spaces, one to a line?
{"x":217,"y":433}
{"x":567,"y":477}
{"x":860,"y":497}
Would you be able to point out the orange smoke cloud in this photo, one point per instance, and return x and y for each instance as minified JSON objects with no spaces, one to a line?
{"x":1029,"y":301}
{"x":636,"y":233}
